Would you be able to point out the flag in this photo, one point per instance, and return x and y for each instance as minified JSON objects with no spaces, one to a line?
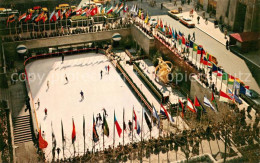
{"x":84,"y":12}
{"x":68,"y":13}
{"x":109,"y":10}
{"x":22,"y":17}
{"x":237,"y":99}
{"x":148,"y":122}
{"x":200,"y":49}
{"x":28,"y":17}
{"x":54,"y":143}
{"x":39,"y":17}
{"x":181,"y":106}
{"x":50,"y":18}
{"x":230,"y":94}
{"x":115,"y":8}
{"x":42,"y":143}
{"x":195,"y":47}
{"x":44,"y":18}
{"x":224,"y":76}
{"x":62,"y":132}
{"x":95,"y":134}
{"x":155,"y":114}
{"x":125,"y":8}
{"x":231,"y":79}
{"x":34,"y":17}
{"x":121,"y":7}
{"x":198,"y":105}
{"x":84,"y":134}
{"x":191,"y":44}
{"x":173,"y":34}
{"x":224,"y":97}
{"x":236,"y":84}
{"x":79,"y":11}
{"x":165,"y":111}
{"x":118,"y":128}
{"x":214,"y":100}
{"x":105,"y":126}
{"x":183,"y":40}
{"x":137,"y":125}
{"x":146,"y":19}
{"x":208,"y":104}
{"x":191,"y":106}
{"x":11,"y":19}
{"x":93,"y":11}
{"x":73,"y":135}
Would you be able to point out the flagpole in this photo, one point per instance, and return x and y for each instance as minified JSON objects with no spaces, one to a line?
{"x":114,"y":132}
{"x":123,"y":127}
{"x":142,"y":134}
{"x":84,"y":134}
{"x":216,"y":81}
{"x":27,"y":26}
{"x":151,"y":124}
{"x":221,"y":82}
{"x":21,"y":27}
{"x":177,"y":115}
{"x":62,"y":140}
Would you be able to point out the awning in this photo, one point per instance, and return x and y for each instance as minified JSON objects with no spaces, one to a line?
{"x":246,"y":36}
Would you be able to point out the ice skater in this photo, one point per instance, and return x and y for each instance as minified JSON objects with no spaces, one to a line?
{"x":48,"y":84}
{"x":62,"y":58}
{"x":38,"y":103}
{"x":108,"y":69}
{"x":82,"y":95}
{"x":101,"y":74}
{"x":66,"y":78}
{"x":45,"y":111}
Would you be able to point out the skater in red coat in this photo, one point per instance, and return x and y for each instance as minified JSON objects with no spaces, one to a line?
{"x":108,"y":69}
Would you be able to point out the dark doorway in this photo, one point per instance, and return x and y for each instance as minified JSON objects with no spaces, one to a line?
{"x":240,"y":18}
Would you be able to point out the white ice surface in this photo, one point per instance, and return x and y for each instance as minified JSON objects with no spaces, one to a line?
{"x":63,"y":100}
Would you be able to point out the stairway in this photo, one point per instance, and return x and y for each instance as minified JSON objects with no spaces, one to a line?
{"x":22,"y":129}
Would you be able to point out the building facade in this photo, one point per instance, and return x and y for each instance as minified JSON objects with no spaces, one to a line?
{"x":239,"y":15}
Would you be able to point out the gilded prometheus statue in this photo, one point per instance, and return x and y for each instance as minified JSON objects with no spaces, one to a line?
{"x":163,"y":70}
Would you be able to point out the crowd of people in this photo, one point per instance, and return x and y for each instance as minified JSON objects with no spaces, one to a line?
{"x":68,"y":30}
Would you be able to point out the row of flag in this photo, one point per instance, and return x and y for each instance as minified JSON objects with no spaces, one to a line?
{"x":60,"y":14}
{"x":195,"y":107}
{"x":207,"y":60}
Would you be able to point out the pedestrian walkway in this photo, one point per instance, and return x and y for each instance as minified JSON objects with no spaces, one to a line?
{"x":208,"y":28}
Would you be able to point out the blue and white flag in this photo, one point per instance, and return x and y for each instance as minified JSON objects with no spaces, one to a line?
{"x":208,"y":104}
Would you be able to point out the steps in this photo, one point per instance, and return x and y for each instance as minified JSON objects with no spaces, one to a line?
{"x":22,"y":129}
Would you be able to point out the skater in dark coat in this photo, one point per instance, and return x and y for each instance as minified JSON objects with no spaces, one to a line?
{"x":101,"y":74}
{"x":82,"y":95}
{"x":62,"y":58}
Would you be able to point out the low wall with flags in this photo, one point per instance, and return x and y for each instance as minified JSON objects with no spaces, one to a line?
{"x":142,"y":39}
{"x":200,"y":90}
{"x":71,"y":39}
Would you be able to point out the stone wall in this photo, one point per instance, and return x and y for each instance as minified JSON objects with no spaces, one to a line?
{"x":143,"y":40}
{"x":174,"y":58}
{"x":71,"y":39}
{"x":252,"y":22}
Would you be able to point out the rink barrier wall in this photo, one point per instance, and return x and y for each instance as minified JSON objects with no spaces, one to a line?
{"x":148,"y":82}
{"x":42,"y":56}
{"x":134,"y":87}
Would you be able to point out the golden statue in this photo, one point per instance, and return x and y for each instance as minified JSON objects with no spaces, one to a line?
{"x":163,"y":69}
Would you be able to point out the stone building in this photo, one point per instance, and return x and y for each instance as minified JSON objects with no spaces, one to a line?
{"x":239,"y":15}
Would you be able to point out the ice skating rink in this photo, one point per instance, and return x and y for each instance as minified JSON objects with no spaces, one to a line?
{"x":63,"y":101}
